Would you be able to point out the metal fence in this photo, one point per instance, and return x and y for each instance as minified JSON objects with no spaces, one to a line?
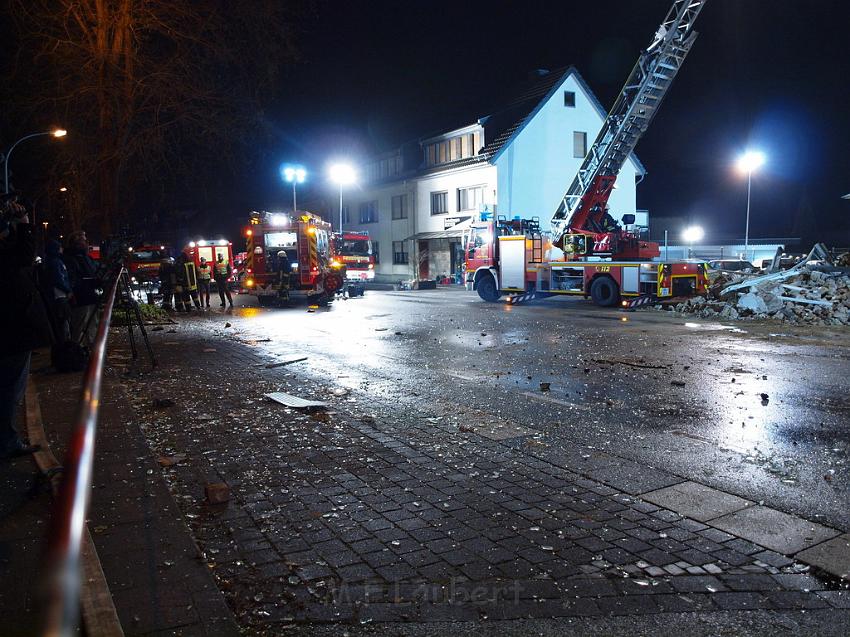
{"x":68,"y":525}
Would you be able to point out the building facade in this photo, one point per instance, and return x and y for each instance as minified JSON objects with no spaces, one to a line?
{"x":416,"y":201}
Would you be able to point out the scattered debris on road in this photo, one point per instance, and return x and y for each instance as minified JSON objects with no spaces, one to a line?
{"x":162,"y":403}
{"x":286,"y":362}
{"x":217,"y":493}
{"x":295,"y":402}
{"x":170,"y":461}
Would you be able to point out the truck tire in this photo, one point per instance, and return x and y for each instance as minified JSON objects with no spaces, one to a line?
{"x":604,"y":291}
{"x":486,"y":288}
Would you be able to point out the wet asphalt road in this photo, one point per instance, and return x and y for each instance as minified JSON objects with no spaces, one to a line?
{"x":672,"y":393}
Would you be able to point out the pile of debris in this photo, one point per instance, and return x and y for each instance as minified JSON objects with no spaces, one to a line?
{"x":810,"y":293}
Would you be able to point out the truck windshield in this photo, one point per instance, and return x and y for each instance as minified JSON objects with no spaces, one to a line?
{"x":355,"y":247}
{"x":147,"y":255}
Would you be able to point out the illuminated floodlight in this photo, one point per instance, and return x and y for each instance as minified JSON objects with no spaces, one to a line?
{"x":279,"y":220}
{"x":59,"y":132}
{"x":222,"y":242}
{"x":693,"y":234}
{"x":202,"y":242}
{"x":294,"y":174}
{"x":751,"y":161}
{"x":191,"y":244}
{"x":342,"y":174}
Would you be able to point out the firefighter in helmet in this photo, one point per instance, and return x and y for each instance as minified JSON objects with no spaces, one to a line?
{"x":186,"y":288}
{"x":222,"y":272}
{"x":166,"y":282}
{"x":284,"y":269}
{"x":204,"y":275}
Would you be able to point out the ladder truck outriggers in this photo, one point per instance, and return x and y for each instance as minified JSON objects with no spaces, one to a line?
{"x":587,"y":252}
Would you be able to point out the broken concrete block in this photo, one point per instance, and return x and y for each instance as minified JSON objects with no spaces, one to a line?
{"x":753,"y":302}
{"x":217,"y":492}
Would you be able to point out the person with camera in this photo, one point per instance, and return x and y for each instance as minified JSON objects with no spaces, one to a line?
{"x":24,"y":322}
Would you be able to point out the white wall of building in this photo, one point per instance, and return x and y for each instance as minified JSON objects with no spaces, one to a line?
{"x":450,"y":182}
{"x":537,"y":167}
{"x":387,"y":229}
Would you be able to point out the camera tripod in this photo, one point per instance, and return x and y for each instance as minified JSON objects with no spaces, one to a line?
{"x":126,"y":301}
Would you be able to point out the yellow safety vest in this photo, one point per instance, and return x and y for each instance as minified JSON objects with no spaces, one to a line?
{"x":204,"y":271}
{"x":221,"y":269}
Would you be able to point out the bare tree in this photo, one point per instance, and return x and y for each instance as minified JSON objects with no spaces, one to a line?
{"x":149,"y":89}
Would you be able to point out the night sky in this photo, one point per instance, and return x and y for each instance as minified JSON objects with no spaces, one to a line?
{"x":767,"y":74}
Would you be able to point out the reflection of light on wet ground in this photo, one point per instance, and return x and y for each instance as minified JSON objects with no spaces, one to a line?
{"x":715,"y":326}
{"x":247,"y":312}
{"x":746,"y":421}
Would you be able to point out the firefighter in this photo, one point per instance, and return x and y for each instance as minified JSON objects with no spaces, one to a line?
{"x":166,"y":282}
{"x":186,"y":288}
{"x":204,"y":274}
{"x":284,"y":269}
{"x":221,"y":273}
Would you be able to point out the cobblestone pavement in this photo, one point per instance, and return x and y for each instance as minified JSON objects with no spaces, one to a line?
{"x":380,"y":510}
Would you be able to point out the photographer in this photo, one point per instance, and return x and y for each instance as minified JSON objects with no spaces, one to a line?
{"x":24,"y":322}
{"x":82,"y":272}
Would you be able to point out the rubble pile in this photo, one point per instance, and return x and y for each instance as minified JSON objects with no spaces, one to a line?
{"x":805,"y":296}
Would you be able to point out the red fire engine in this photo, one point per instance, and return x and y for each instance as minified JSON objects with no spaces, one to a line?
{"x":588,"y":252}
{"x":143,"y":262}
{"x":210,"y":250}
{"x":309,"y":271}
{"x":354,"y":251}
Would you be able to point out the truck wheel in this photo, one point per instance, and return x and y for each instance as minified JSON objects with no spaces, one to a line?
{"x":487,"y":288}
{"x":604,"y":291}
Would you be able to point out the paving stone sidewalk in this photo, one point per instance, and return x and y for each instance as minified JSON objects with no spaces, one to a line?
{"x":379,"y":511}
{"x":153,"y":569}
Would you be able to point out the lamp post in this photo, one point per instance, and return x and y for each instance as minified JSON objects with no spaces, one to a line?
{"x":344,"y":175}
{"x":59,"y":132}
{"x":749,"y":162}
{"x":294,"y":175}
{"x":691,"y":235}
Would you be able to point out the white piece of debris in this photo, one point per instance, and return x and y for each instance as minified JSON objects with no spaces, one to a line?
{"x":295,"y":401}
{"x":286,"y":362}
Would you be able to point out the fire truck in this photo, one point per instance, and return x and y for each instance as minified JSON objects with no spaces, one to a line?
{"x":210,"y":249}
{"x":311,"y":269}
{"x":143,"y":262}
{"x":354,"y":251}
{"x":587,"y":252}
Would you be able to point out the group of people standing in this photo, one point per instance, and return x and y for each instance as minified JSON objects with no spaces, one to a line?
{"x":52,"y":304}
{"x":185,"y":283}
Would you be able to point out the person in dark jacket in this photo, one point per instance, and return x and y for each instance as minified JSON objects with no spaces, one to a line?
{"x":186,"y":287}
{"x":57,"y":289}
{"x":24,"y":323}
{"x":167,"y":278}
{"x":82,"y":273}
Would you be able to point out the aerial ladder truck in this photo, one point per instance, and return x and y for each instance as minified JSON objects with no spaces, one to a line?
{"x":587,"y":252}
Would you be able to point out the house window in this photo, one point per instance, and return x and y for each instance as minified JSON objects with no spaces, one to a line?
{"x":399,"y":206}
{"x":569,"y":99}
{"x":399,"y":253}
{"x":375,"y":252}
{"x":579,"y":144}
{"x":470,"y":198}
{"x":439,"y":203}
{"x":369,"y":212}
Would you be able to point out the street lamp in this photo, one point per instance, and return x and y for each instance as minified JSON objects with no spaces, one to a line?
{"x":749,"y":162}
{"x":294,"y":175}
{"x":57,"y":132}
{"x":344,"y":175}
{"x":692,"y":235}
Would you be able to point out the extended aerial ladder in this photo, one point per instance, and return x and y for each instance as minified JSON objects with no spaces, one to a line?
{"x":597,"y":258}
{"x":582,"y":212}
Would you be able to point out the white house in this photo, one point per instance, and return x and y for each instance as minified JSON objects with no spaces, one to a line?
{"x":417,"y":200}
